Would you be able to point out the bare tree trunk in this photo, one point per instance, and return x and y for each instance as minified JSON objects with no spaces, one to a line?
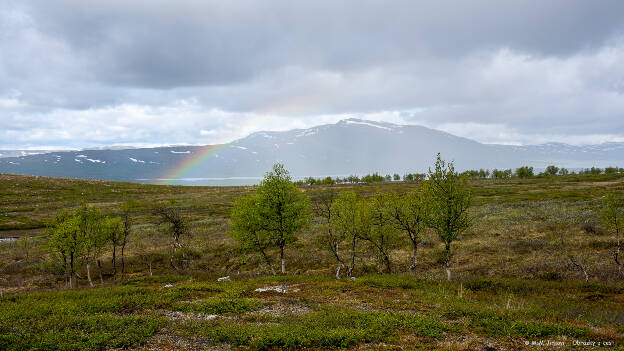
{"x":268,"y":261}
{"x":149,"y":265}
{"x":123,"y":262}
{"x":341,"y":263}
{"x":338,"y":270}
{"x":283,"y":259}
{"x":66,"y":270}
{"x":176,"y":246}
{"x":114,"y":261}
{"x":448,"y":262}
{"x":387,"y":263}
{"x":99,"y":263}
{"x":415,"y":258}
{"x":576,"y":264}
{"x":352,"y":266}
{"x":89,"y":273}
{"x":72,"y":273}
{"x":616,"y":254}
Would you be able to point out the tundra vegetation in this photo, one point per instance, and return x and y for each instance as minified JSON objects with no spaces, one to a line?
{"x":362,"y":263}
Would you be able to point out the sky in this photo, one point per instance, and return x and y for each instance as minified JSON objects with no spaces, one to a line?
{"x":76,"y":74}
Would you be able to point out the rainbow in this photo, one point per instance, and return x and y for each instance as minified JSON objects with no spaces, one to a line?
{"x":190,"y":163}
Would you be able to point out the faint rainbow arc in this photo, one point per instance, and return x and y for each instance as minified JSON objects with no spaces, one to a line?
{"x":292,"y":105}
{"x":190,"y":163}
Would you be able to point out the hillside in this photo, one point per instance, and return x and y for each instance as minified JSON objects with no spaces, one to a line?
{"x":511,"y":285}
{"x":351,"y":146}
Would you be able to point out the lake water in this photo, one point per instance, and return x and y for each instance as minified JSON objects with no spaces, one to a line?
{"x":231,"y":181}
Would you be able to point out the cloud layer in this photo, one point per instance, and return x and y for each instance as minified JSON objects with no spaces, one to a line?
{"x":79,"y":74}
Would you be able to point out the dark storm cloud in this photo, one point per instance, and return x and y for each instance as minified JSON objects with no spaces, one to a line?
{"x":516,"y":71}
{"x":188,"y":43}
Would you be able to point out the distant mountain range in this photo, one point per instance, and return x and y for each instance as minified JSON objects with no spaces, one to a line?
{"x":351,"y":146}
{"x":17,"y":153}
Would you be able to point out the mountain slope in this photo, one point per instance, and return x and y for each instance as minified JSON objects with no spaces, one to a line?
{"x":351,"y":146}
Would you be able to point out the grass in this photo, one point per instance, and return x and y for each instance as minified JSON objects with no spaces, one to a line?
{"x":399,"y":311}
{"x":510,"y":285}
{"x":329,"y":328}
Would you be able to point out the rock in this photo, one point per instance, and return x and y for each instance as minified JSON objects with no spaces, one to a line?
{"x":169,"y":286}
{"x":224,"y":279}
{"x":278,"y":288}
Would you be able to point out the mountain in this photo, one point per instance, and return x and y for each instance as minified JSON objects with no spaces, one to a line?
{"x":17,"y":153}
{"x":351,"y":146}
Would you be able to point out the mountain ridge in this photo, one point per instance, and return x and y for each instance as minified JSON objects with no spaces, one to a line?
{"x":350,"y":146}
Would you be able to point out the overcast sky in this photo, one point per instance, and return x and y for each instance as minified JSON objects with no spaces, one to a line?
{"x":93,"y":73}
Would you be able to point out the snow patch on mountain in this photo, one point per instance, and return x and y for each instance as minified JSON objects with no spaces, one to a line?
{"x":307,"y":132}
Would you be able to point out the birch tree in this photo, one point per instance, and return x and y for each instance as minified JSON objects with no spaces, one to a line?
{"x":126,"y":220}
{"x":89,"y":222}
{"x":612,"y":214}
{"x":176,"y":226}
{"x":64,"y":240}
{"x":283,"y":210}
{"x":328,"y":238}
{"x":248,"y":229}
{"x":350,"y":220}
{"x":378,"y":230}
{"x":449,"y":197}
{"x":410,"y":213}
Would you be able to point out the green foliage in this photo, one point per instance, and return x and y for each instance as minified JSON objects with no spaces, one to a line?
{"x":381,"y":234}
{"x":501,"y":174}
{"x":476,"y":174}
{"x":449,"y":197}
{"x":525,"y":172}
{"x":551,"y":170}
{"x":410,"y":214}
{"x":79,"y":320}
{"x":247,"y":228}
{"x":612,"y":212}
{"x":282,"y":209}
{"x":612,"y":215}
{"x":373,"y":178}
{"x":274,"y":214}
{"x":219,"y":305}
{"x":112,"y":228}
{"x":350,"y":218}
{"x":414,"y":177}
{"x":350,"y":221}
{"x":328,"y":328}
{"x":63,"y":235}
{"x":91,"y":229}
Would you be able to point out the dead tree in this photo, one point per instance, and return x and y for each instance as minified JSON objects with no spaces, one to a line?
{"x":177,"y":227}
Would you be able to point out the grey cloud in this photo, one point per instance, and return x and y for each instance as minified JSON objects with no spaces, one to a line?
{"x":189,"y":43}
{"x":119,"y":72}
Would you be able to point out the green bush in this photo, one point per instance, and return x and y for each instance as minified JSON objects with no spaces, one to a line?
{"x":335,"y":328}
{"x":218,"y":305}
